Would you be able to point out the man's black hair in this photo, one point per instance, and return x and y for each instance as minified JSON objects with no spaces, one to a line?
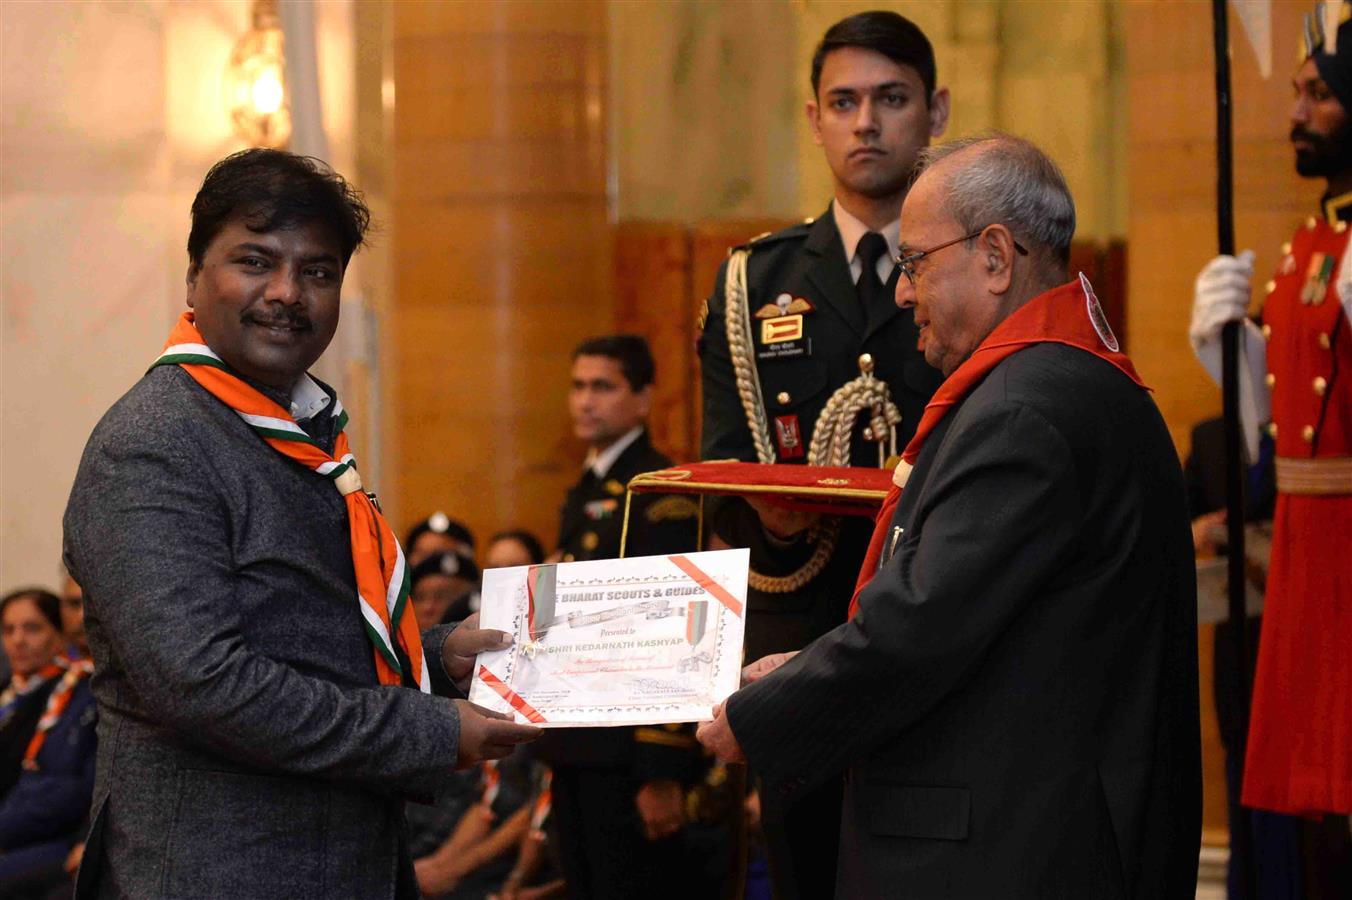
{"x":47,"y":603}
{"x":271,"y":190}
{"x":629,"y":350}
{"x":894,"y":36}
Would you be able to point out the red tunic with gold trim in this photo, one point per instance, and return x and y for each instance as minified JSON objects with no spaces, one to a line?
{"x":1300,"y":734}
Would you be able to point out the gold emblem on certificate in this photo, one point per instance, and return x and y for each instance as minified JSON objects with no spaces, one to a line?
{"x":642,"y":641}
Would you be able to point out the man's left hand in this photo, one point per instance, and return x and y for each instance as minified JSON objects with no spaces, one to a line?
{"x":465,"y":643}
{"x":718,"y":739}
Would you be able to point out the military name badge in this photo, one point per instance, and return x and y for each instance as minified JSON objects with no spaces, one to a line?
{"x":789,"y":437}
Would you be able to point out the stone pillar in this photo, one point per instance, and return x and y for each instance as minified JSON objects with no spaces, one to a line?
{"x":500,"y":254}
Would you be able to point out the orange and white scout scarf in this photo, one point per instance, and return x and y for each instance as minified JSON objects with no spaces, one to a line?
{"x":20,"y":686}
{"x":1069,"y":314}
{"x":382,"y":576}
{"x":56,"y":705}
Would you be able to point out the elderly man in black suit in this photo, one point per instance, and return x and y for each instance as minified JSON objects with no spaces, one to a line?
{"x":1014,"y":699}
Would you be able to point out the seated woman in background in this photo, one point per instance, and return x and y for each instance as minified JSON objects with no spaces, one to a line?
{"x":43,"y":809}
{"x":513,"y":548}
{"x":444,"y":588}
{"x":30,"y":629}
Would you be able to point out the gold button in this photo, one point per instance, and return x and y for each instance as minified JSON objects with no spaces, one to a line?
{"x":1324,"y":340}
{"x":1307,"y":434}
{"x":866,"y":363}
{"x":1271,"y":286}
{"x":1310,"y":223}
{"x":1340,"y":227}
{"x":1272,"y":430}
{"x":1267,"y":332}
{"x":1286,"y":248}
{"x":783,"y":398}
{"x":1320,"y":386}
{"x":1271,"y":379}
{"x":590,"y":541}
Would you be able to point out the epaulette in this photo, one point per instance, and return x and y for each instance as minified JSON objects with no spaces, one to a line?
{"x":671,"y":508}
{"x":766,"y":238}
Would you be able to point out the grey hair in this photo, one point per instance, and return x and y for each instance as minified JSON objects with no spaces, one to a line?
{"x":1007,"y":181}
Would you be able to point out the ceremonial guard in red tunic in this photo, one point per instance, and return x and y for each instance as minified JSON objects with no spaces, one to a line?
{"x":1296,"y":381}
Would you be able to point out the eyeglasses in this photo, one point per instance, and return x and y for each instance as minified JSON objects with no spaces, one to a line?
{"x":907,"y":263}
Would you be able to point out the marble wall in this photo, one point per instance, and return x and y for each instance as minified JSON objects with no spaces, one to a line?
{"x":110,"y":114}
{"x":709,"y":99}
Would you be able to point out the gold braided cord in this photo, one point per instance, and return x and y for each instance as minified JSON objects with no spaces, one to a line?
{"x":740,"y":343}
{"x":831,"y":447}
{"x":830,"y":444}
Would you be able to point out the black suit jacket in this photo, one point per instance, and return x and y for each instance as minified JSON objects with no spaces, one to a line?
{"x":1016,"y":701}
{"x":807,"y":261}
{"x":590,"y":524}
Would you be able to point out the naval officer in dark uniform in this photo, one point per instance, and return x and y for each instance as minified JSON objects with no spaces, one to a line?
{"x":806,"y":358}
{"x":619,"y":793}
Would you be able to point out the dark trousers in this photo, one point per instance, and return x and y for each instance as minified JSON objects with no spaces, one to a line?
{"x":602,"y":849}
{"x":802,"y":842}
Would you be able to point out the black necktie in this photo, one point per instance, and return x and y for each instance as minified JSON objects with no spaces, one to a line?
{"x":873,"y":299}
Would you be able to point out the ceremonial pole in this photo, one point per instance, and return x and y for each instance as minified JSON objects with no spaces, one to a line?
{"x":1234,"y":467}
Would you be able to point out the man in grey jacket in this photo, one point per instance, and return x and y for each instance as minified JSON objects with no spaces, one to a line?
{"x":263,"y":711}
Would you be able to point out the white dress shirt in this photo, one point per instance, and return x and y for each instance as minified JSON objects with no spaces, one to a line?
{"x":852,"y":230}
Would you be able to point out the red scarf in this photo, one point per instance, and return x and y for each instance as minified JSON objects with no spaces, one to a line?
{"x":1069,"y":314}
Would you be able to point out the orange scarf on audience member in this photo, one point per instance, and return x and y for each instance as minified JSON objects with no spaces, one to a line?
{"x":1069,"y":314}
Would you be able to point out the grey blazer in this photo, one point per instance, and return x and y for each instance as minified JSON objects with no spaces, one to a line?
{"x":245,"y":748}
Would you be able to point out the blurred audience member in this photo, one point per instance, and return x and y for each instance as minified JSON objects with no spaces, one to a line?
{"x":30,"y":627}
{"x":438,"y":533}
{"x":535,"y":875}
{"x":442,"y":588}
{"x":516,"y":547}
{"x":42,"y":814}
{"x":477,"y":854}
{"x":72,"y":617}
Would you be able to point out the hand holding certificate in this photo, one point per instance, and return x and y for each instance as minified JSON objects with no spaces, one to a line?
{"x":639,"y":641}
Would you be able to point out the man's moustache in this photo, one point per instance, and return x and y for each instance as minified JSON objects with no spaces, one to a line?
{"x":1309,"y":137}
{"x":277,"y":321}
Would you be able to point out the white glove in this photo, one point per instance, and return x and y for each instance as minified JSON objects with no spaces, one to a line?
{"x":1222,"y":295}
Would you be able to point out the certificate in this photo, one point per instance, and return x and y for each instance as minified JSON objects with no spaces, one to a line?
{"x":640,"y":641}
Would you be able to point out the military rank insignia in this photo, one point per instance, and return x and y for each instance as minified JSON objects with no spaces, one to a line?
{"x":1317,"y":278}
{"x":782,"y":334}
{"x":598,"y":510}
{"x":785,"y":305}
{"x":789,"y":437}
{"x":781,"y":329}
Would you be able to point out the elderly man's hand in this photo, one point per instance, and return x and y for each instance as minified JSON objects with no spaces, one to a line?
{"x":465,"y":643}
{"x":765,"y":665}
{"x":718,"y":739}
{"x":485,"y":734}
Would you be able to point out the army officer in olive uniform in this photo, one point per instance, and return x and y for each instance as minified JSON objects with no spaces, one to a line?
{"x":619,"y":793}
{"x":801,"y":343}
